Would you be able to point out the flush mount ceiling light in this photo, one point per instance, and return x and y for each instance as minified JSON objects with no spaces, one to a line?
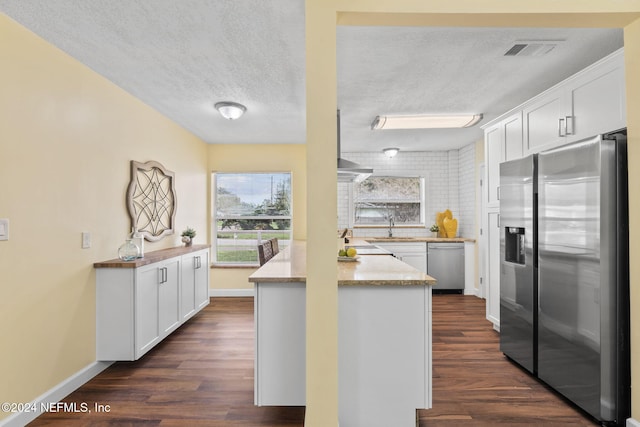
{"x":425,"y":121}
{"x":390,"y":152}
{"x":230,"y":110}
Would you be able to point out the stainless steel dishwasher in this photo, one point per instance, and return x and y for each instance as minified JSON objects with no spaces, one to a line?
{"x":445,"y":263}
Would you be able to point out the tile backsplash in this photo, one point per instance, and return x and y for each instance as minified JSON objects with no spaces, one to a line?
{"x":450,"y":181}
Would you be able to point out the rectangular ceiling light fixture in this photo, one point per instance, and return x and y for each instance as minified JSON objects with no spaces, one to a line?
{"x":425,"y":121}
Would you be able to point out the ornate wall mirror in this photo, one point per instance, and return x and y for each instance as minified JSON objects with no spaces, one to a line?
{"x":151,"y":200}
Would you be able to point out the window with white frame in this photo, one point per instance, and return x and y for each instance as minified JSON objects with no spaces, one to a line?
{"x":249,"y":208}
{"x":380,"y":199}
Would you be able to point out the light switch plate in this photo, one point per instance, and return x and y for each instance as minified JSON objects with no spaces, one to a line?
{"x":4,"y":228}
{"x":86,"y":240}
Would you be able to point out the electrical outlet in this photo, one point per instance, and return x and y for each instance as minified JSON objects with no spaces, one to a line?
{"x":86,"y":240}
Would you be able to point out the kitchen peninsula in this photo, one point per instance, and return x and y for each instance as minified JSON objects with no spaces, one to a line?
{"x":384,"y":337}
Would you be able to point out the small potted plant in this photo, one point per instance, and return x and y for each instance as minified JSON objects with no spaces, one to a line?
{"x":188,"y":236}
{"x":434,"y":230}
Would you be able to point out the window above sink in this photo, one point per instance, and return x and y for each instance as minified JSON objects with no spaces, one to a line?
{"x":380,"y":200}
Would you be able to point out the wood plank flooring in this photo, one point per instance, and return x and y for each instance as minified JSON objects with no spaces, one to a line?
{"x":202,"y":375}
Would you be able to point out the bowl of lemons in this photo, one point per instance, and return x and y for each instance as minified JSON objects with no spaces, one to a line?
{"x":348,"y":255}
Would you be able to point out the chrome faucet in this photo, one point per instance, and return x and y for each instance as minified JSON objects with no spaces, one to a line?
{"x":391,"y":224}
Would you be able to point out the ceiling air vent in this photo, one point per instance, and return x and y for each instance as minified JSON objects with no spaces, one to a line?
{"x":532,"y":47}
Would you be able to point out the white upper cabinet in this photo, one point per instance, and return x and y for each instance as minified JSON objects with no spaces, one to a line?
{"x":513,"y":137}
{"x":543,"y":120}
{"x":598,"y":100}
{"x":494,"y":156}
{"x":589,"y":103}
{"x":503,"y":141}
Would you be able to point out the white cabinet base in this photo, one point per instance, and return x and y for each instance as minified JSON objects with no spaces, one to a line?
{"x":384,"y":355}
{"x":280,"y":362}
{"x":384,"y":351}
{"x":136,"y":308}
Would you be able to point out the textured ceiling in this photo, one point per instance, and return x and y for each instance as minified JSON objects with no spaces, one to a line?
{"x":181,"y":57}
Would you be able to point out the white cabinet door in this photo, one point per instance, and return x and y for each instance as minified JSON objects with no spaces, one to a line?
{"x":513,"y":137}
{"x":599,"y":102}
{"x":194,"y":285}
{"x":168,"y":300}
{"x":494,"y":155}
{"x":493,"y":269}
{"x":202,"y":279}
{"x":544,"y":121}
{"x":147,"y":323}
{"x":412,"y":253}
{"x":187,"y":286}
{"x":416,"y":260}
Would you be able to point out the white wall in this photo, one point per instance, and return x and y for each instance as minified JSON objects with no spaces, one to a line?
{"x":450,"y":178}
{"x":467,"y":184}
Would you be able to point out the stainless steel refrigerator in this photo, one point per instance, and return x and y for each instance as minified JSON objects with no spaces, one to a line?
{"x":564,"y":282}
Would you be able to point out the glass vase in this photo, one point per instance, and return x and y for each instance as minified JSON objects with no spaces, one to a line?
{"x":128,"y":251}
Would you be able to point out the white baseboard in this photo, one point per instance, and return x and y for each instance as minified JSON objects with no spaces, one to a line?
{"x":632,"y":422}
{"x":471,"y":291}
{"x":231,"y":292}
{"x":55,"y":394}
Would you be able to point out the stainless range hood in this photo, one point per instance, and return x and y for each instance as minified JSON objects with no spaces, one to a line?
{"x":349,"y":171}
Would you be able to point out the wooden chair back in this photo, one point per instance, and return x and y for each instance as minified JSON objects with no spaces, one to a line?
{"x":265,"y":252}
{"x":274,"y":245}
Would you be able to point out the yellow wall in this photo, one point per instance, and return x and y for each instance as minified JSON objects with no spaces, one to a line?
{"x":66,"y":138}
{"x":322,"y":184}
{"x":322,"y":18}
{"x":261,"y":158}
{"x":632,"y":68}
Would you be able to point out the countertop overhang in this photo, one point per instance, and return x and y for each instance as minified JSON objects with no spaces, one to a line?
{"x":415,"y":239}
{"x":150,"y":257}
{"x":369,"y":270}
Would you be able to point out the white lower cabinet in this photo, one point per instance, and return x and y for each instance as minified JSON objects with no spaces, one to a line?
{"x":412,"y":253}
{"x":138,"y":307}
{"x":280,"y":344}
{"x":493,"y":269}
{"x":384,"y":351}
{"x":156,"y":303}
{"x":194,"y":287}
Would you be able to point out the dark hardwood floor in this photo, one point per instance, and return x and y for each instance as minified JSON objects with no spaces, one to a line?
{"x":202,"y":375}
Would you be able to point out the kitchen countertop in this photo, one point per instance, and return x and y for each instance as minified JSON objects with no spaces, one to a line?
{"x":378,"y":270}
{"x":414,"y":239}
{"x":150,"y":257}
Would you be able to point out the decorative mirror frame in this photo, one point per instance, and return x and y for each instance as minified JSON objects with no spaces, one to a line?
{"x":151,"y":200}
